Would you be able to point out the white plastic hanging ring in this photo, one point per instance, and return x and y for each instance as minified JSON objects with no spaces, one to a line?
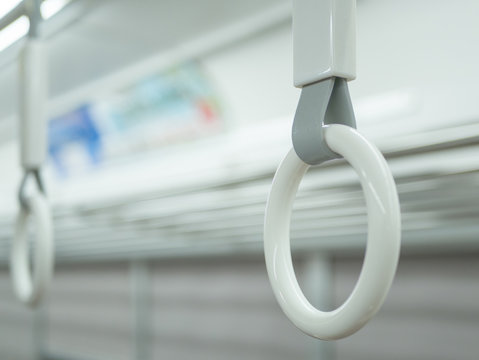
{"x":28,"y":287}
{"x":383,"y":244}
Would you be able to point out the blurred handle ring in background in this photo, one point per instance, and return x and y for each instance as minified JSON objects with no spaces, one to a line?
{"x":383,"y":244}
{"x":29,"y":287}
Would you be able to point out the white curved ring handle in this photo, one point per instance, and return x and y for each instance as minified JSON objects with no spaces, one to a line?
{"x":30,"y":288}
{"x":383,"y":244}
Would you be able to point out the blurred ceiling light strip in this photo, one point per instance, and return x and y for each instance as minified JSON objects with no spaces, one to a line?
{"x":13,"y":32}
{"x":19,"y":28}
{"x":7,"y":5}
{"x":51,"y":7}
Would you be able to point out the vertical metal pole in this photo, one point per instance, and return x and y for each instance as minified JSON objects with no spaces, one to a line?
{"x":319,"y":284}
{"x":141,"y":296}
{"x":40,"y":331}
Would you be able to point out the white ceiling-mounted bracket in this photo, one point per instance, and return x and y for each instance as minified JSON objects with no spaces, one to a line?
{"x":324,"y":40}
{"x":33,"y":103}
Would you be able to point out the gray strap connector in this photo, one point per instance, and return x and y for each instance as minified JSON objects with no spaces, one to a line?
{"x":322,"y":103}
{"x":22,"y":196}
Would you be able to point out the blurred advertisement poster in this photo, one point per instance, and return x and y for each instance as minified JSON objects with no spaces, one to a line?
{"x":173,"y":107}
